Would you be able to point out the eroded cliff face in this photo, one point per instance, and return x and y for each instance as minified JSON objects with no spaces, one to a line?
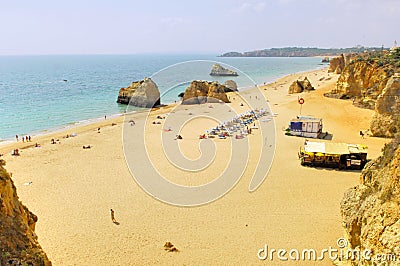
{"x":372,"y":81}
{"x":204,"y":92}
{"x":338,"y":63}
{"x":362,"y":80}
{"x":371,"y":210}
{"x":386,"y":120}
{"x":18,"y":241}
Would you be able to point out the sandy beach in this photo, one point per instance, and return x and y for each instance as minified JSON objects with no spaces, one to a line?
{"x":71,"y":189}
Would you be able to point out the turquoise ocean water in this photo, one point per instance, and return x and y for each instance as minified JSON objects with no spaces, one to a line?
{"x":34,"y":96}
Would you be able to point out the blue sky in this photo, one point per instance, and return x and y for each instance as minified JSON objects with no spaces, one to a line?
{"x":206,"y":26}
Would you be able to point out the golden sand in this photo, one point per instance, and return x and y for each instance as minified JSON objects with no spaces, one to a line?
{"x":73,"y":189}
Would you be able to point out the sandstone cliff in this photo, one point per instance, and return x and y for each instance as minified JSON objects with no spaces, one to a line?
{"x":18,"y":241}
{"x":218,"y":70}
{"x":362,"y":80}
{"x":143,"y":93}
{"x":300,"y":86}
{"x":371,"y":210}
{"x":365,"y":79}
{"x":204,"y":92}
{"x":386,"y":120}
{"x":337,"y":64}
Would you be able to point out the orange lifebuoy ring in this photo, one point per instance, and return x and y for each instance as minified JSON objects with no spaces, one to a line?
{"x":301,"y":101}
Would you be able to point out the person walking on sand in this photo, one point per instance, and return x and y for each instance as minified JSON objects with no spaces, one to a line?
{"x":16,"y":137}
{"x":112,"y":216}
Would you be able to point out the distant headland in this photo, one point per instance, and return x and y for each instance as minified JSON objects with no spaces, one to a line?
{"x":301,"y":52}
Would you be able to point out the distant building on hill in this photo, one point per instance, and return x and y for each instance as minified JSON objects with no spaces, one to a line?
{"x":394,"y":47}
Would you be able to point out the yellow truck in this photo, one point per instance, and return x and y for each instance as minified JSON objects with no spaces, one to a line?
{"x":335,"y":155}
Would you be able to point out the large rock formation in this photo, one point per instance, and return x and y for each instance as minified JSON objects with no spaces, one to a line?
{"x":371,"y":210}
{"x":300,"y":86}
{"x":386,"y":120}
{"x":218,"y":70}
{"x":362,"y":80}
{"x":143,"y":93}
{"x":204,"y":92}
{"x":18,"y":241}
{"x":230,"y":85}
{"x":338,"y":63}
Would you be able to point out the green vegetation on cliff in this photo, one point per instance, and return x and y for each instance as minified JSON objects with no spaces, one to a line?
{"x":390,"y":61}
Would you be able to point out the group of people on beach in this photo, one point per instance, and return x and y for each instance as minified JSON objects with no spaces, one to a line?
{"x":24,"y":138}
{"x":241,"y":124}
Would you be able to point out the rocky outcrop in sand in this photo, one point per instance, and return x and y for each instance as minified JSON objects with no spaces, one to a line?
{"x":230,"y":85}
{"x":300,"y":86}
{"x":204,"y":92}
{"x":18,"y":241}
{"x":371,"y":210}
{"x":386,"y":120}
{"x":218,"y":70}
{"x":143,"y":93}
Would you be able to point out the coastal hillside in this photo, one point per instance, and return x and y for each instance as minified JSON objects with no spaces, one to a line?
{"x":372,"y":80}
{"x":18,"y":241}
{"x":299,"y":52}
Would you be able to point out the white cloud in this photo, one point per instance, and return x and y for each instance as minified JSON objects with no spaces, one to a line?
{"x":250,"y":6}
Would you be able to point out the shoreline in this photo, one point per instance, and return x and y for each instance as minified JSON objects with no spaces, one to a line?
{"x":76,"y":124}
